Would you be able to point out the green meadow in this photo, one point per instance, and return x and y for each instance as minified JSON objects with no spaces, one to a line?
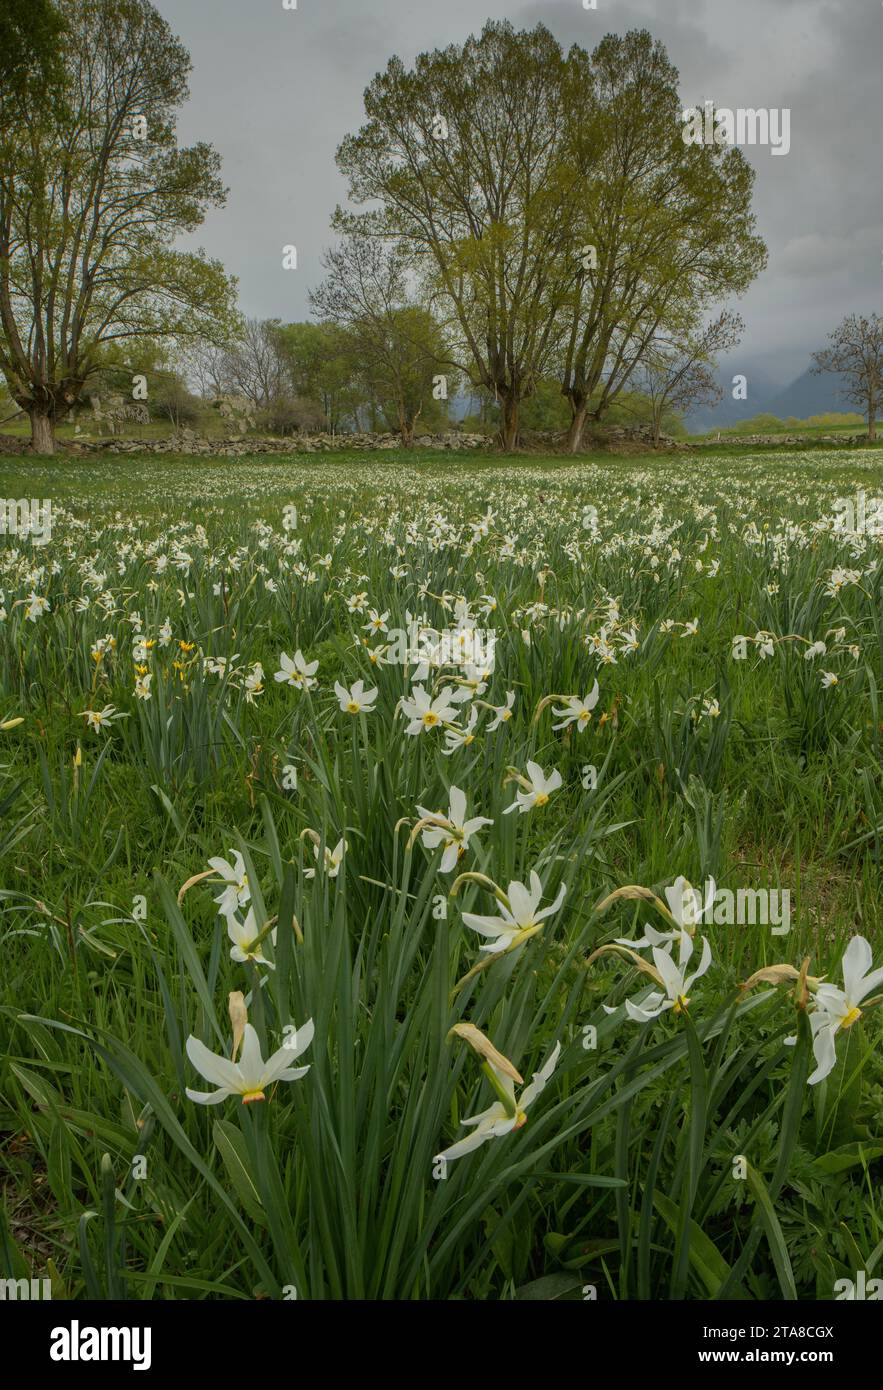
{"x":652,"y":682}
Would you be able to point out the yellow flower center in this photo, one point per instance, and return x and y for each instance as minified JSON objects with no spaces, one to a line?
{"x":849,"y":1019}
{"x":249,"y":1096}
{"x":353,"y":706}
{"x":680,"y":1005}
{"x":430,"y":718}
{"x":541,"y":798}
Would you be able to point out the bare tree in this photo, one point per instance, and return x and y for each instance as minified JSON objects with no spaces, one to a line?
{"x":397,"y":346}
{"x":678,"y":373}
{"x":856,"y":353}
{"x":254,"y":368}
{"x":206,"y":366}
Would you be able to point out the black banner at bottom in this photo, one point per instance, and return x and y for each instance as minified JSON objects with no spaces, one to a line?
{"x":149,"y":1338}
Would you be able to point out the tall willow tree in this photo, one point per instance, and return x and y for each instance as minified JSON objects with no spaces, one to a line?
{"x":668,"y":226}
{"x":461,"y":154}
{"x":558,"y":216}
{"x":93,"y":192}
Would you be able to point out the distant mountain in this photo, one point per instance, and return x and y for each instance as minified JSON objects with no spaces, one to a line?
{"x":806,"y":395}
{"x":810,"y":395}
{"x":761,"y":390}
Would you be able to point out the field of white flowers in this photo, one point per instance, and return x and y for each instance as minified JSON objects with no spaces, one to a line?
{"x":442,"y":880}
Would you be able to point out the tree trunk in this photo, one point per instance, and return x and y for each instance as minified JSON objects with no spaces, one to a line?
{"x":42,"y":432}
{"x":509,"y":427}
{"x":657,"y":429}
{"x":407,"y":425}
{"x":577,"y":426}
{"x":872,"y":418}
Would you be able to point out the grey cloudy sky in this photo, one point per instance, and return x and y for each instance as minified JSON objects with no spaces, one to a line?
{"x":275,"y":91}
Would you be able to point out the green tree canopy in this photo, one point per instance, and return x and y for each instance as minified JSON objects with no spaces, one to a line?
{"x":91,"y":201}
{"x":322,"y":364}
{"x":30,"y":59}
{"x":555,"y":212}
{"x":460,"y":153}
{"x":397,"y":347}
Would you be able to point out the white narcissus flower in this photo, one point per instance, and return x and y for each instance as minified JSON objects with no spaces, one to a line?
{"x":502,"y":713}
{"x":247,"y":940}
{"x":376,"y":622}
{"x":535,"y":790}
{"x":504,"y":1115}
{"x":828,"y":679}
{"x":837,"y":1009}
{"x":251,"y":1075}
{"x":519,"y":914}
{"x":764,"y":643}
{"x":576,"y":711}
{"x":37,"y":606}
{"x":298,"y":672}
{"x":651,"y":937}
{"x":455,"y":737}
{"x":357,"y":700}
{"x":673,"y":978}
{"x":425,"y":713}
{"x":99,"y":719}
{"x":817,"y":649}
{"x":452,"y":831}
{"x":839,"y":578}
{"x":686,"y":905}
{"x":237,"y":892}
{"x":333,"y":860}
{"x":253,"y":685}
